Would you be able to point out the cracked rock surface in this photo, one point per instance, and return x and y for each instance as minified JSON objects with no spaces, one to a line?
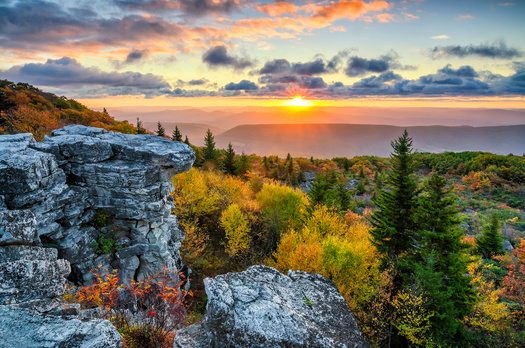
{"x":79,"y":172}
{"x":262,"y":307}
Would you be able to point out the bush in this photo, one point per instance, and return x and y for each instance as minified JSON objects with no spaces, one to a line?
{"x":146,"y":312}
{"x":106,"y":243}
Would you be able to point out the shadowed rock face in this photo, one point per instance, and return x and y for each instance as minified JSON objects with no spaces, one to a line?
{"x":32,"y":312}
{"x":79,"y":171}
{"x":261,"y":307}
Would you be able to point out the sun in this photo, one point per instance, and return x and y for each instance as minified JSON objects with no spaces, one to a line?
{"x":298,"y":101}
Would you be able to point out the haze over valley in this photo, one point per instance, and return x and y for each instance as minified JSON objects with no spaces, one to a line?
{"x":325,"y":132}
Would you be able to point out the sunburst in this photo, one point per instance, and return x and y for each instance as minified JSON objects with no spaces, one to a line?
{"x":298,"y":101}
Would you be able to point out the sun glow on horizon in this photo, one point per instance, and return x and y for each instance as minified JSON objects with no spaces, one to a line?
{"x":299,"y":102}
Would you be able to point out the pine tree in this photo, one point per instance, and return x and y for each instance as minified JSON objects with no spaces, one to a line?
{"x":393,"y":224}
{"x":177,"y":136}
{"x":441,"y":262}
{"x":209,"y":146}
{"x":229,"y":160}
{"x":491,"y":242}
{"x":187,"y":141}
{"x":244,"y":164}
{"x":140,"y":128}
{"x":160,"y":130}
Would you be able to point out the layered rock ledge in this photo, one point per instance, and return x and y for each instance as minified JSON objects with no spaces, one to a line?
{"x":262,"y":307}
{"x":79,"y":174}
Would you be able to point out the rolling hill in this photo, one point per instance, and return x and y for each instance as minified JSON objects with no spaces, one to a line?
{"x":332,"y":140}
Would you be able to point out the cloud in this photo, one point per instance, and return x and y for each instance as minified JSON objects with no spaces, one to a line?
{"x":244,"y":85}
{"x":447,"y":81}
{"x":194,"y":8}
{"x":68,"y":72}
{"x":317,"y":66}
{"x":440,"y":37}
{"x":218,"y":56}
{"x":498,"y":49}
{"x":278,"y":8}
{"x":134,"y":56}
{"x":464,"y":71}
{"x":206,"y":7}
{"x":349,"y":9}
{"x":507,"y":4}
{"x":304,"y":82}
{"x":195,"y":82}
{"x":360,"y":66}
{"x":378,"y":81}
{"x":465,"y":17}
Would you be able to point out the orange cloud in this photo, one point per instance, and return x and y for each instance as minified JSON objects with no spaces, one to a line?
{"x":349,"y":9}
{"x":278,"y":8}
{"x":385,"y":17}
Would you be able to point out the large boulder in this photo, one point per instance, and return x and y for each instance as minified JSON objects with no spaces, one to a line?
{"x":79,"y":172}
{"x":20,"y":327}
{"x":262,"y":307}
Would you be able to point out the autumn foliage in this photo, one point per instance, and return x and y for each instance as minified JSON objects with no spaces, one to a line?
{"x":146,"y":312}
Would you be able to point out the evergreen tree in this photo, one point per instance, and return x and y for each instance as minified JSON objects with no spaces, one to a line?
{"x":244,"y":164}
{"x":140,"y":128}
{"x":187,"y":141}
{"x":209,"y":146}
{"x":441,"y":262}
{"x":491,"y":242}
{"x":229,"y":160}
{"x":177,"y":136}
{"x":361,"y":173}
{"x":266,"y":165}
{"x":393,"y":224}
{"x":360,"y":188}
{"x":160,"y":130}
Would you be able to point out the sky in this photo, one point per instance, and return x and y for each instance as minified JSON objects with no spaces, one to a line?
{"x":243,"y":53}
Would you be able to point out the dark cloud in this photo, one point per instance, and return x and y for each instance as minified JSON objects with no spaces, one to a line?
{"x":244,"y":85}
{"x":193,"y":8}
{"x":360,"y":66}
{"x":357,"y":66}
{"x":464,"y":71}
{"x":318,"y":66}
{"x":204,"y":7}
{"x":378,"y":81}
{"x":135,"y":56}
{"x":497,"y":49}
{"x":218,"y":56}
{"x":25,"y":19}
{"x":306,"y":82}
{"x":69,"y":72}
{"x":196,"y":82}
{"x":447,"y":81}
{"x":276,"y":66}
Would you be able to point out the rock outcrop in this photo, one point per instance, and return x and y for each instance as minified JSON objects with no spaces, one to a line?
{"x":261,"y":307}
{"x":82,"y":183}
{"x":25,"y":328}
{"x":32,"y":281}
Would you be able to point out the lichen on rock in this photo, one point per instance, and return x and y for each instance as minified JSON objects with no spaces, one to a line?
{"x":262,"y":307}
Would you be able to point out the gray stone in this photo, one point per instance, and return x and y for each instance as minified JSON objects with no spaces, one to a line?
{"x":507,"y":246}
{"x":127,"y":268}
{"x":261,"y":307}
{"x":28,"y":273}
{"x":25,"y":328}
{"x":17,"y":227}
{"x":76,"y":172}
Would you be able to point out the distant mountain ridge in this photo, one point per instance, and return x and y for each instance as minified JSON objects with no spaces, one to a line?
{"x":333,"y":140}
